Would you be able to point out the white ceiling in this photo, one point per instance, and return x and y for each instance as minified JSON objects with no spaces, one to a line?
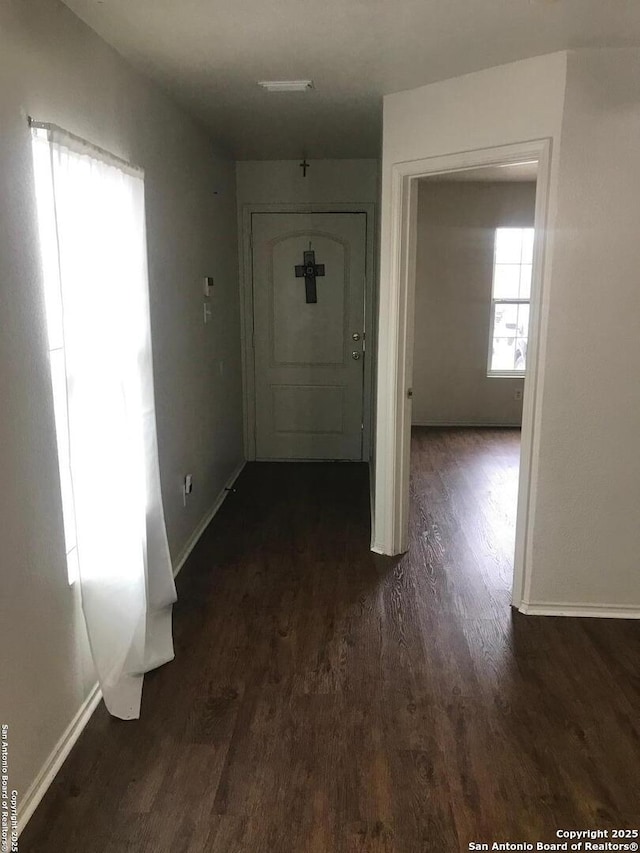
{"x":210,"y":53}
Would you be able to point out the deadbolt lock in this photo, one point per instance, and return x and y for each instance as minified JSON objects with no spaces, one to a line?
{"x":355,"y":336}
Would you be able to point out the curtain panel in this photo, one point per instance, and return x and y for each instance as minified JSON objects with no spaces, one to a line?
{"x":92,"y":228}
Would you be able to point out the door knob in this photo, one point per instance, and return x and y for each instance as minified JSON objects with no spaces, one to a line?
{"x":355,"y":336}
{"x":355,"y":354}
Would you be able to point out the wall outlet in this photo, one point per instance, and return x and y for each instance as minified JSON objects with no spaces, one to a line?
{"x":517,"y":394}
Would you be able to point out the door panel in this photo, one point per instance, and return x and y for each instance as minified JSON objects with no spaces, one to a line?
{"x":312,"y":409}
{"x":309,"y":388}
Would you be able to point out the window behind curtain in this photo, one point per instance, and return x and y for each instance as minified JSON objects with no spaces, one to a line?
{"x":510,"y":296}
{"x":55,"y":333}
{"x":93,"y":239}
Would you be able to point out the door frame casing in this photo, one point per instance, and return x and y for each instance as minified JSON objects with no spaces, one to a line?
{"x":247,"y":315}
{"x":395,"y":355}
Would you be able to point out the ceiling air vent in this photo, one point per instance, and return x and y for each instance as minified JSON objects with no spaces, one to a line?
{"x":286,"y":85}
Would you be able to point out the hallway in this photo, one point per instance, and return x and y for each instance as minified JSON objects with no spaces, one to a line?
{"x":328,"y":700}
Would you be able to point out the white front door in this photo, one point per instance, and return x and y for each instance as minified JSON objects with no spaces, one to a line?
{"x":309,"y":355}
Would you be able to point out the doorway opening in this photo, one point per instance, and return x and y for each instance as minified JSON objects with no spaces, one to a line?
{"x":473,"y":273}
{"x":398,"y":331}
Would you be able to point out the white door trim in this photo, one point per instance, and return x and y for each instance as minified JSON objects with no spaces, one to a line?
{"x":395,"y":353}
{"x":246,"y":311}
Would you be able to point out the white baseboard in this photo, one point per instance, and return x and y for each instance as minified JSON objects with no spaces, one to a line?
{"x":479,"y":424}
{"x":181,"y":559}
{"x":38,"y":788}
{"x":591,"y":611}
{"x":372,"y":498}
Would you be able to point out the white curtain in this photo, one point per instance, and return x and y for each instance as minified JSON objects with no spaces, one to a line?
{"x":92,"y":226}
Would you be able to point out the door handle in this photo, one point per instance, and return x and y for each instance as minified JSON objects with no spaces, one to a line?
{"x":355,"y":355}
{"x":355,"y":336}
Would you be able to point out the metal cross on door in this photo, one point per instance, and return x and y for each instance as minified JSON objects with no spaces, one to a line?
{"x":309,"y":269}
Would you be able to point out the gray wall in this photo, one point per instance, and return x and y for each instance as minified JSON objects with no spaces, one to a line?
{"x":54,"y":68}
{"x":327,"y":181}
{"x":454,"y":270}
{"x":585,"y":529}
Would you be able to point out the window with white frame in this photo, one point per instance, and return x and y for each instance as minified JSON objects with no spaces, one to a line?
{"x":510,"y":297}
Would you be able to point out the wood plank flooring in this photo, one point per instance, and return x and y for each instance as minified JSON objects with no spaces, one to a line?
{"x":326,"y":700}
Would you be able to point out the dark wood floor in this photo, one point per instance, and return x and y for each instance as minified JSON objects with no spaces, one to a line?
{"x":327,"y":700}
